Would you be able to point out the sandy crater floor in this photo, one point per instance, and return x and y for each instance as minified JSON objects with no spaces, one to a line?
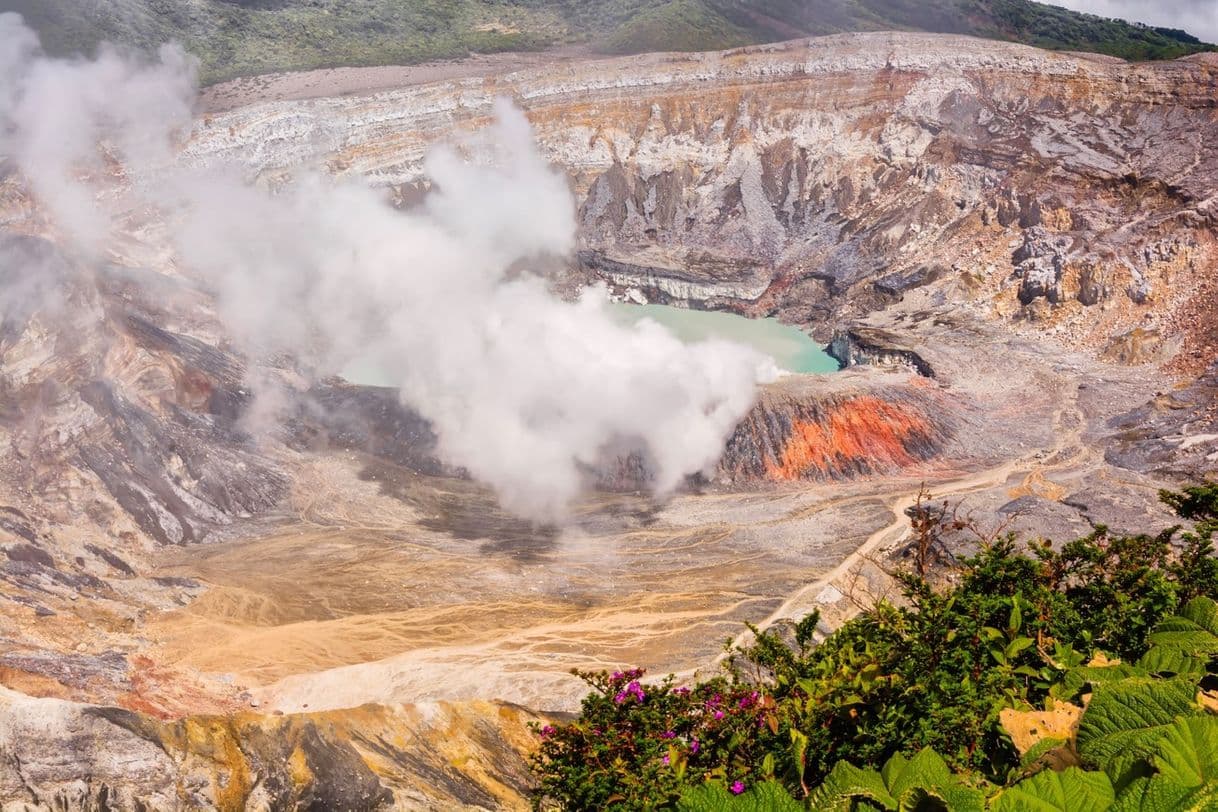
{"x":429,"y":603}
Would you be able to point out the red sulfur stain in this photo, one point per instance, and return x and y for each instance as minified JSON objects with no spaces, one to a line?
{"x":863,"y":433}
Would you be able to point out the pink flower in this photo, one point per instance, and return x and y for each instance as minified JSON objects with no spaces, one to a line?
{"x":633,"y":689}
{"x":668,"y":734}
{"x":718,"y":714}
{"x":737,"y":787}
{"x":547,"y":731}
{"x":617,"y":675}
{"x":665,"y":760}
{"x":694,"y":746}
{"x":682,"y":691}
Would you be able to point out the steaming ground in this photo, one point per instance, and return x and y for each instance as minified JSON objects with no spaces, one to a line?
{"x":525,"y":391}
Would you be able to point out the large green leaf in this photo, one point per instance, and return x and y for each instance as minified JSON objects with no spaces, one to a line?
{"x":1148,"y":795}
{"x":1125,"y":720}
{"x":902,"y":784}
{"x":1166,"y":661}
{"x":926,"y":769}
{"x":1188,"y":752}
{"x":957,"y":798}
{"x":927,"y":774}
{"x":1071,"y":790}
{"x":1204,"y":612}
{"x":1194,"y":631}
{"x":845,"y":782}
{"x":1076,"y":679}
{"x":768,"y":796}
{"x":1186,"y":760}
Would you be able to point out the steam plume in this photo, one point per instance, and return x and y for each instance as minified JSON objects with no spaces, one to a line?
{"x":525,"y":391}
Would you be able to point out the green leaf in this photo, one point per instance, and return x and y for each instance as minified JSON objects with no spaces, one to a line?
{"x":1071,"y":790}
{"x":1145,"y":795}
{"x":768,"y":796}
{"x":1187,"y":764}
{"x":957,"y":797}
{"x":1039,"y":750}
{"x":1076,"y":679}
{"x":1204,"y":612}
{"x":926,"y":769}
{"x":902,"y":784}
{"x":845,"y":783}
{"x":1188,"y":752}
{"x":1126,"y":719}
{"x":1194,"y":631}
{"x":1171,"y":661}
{"x":927,"y":773}
{"x":1017,"y":645}
{"x":799,"y":748}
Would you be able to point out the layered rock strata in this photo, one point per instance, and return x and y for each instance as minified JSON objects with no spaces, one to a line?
{"x":829,"y":177}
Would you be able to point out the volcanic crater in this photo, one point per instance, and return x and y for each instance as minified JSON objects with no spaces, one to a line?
{"x":1011,"y":253}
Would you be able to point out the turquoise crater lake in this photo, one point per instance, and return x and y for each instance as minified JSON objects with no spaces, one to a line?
{"x":791,"y":348}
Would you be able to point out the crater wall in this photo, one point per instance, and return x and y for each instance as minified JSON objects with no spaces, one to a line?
{"x":821,"y":179}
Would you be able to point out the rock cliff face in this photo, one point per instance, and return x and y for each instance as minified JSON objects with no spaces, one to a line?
{"x":798,"y":430}
{"x":825,"y":178}
{"x":990,"y":234}
{"x":364,"y":758}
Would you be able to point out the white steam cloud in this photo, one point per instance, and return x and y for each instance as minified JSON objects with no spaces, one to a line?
{"x":525,"y":391}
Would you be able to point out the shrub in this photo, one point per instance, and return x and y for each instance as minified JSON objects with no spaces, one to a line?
{"x":638,"y":746}
{"x":931,"y":674}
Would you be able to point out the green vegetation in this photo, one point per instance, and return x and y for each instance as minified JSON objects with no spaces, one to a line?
{"x":1076,"y":678}
{"x":260,"y":36}
{"x":243,"y":37}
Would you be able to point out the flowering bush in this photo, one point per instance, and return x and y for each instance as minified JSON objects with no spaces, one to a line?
{"x":639,"y":746}
{"x":931,"y":674}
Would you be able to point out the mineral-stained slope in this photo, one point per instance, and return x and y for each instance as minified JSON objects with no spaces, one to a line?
{"x":1013,"y":251}
{"x":794,"y":434}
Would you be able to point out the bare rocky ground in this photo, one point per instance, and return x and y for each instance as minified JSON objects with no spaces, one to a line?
{"x":1014,"y":248}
